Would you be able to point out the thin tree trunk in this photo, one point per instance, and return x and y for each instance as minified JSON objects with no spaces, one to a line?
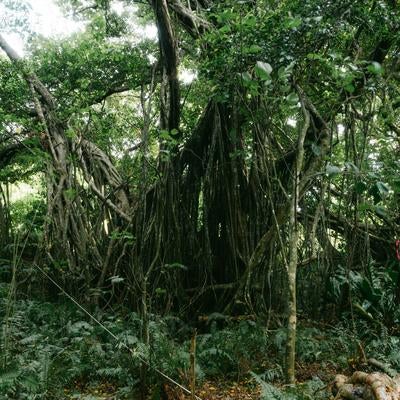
{"x":293,"y":253}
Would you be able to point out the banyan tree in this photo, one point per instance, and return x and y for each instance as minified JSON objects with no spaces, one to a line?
{"x":267,"y":166}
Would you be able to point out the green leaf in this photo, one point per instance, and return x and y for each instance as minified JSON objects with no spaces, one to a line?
{"x":349,"y":88}
{"x":250,"y":21}
{"x":292,"y":98}
{"x":332,"y":170}
{"x":316,"y":149}
{"x":246,"y":77}
{"x":379,"y":191}
{"x":254,"y":48}
{"x":352,"y":167}
{"x":364,"y":207}
{"x":375,"y":68}
{"x":381,"y":211}
{"x":116,"y":279}
{"x":225,"y":29}
{"x":315,"y":56}
{"x":164,"y":134}
{"x":268,"y":391}
{"x":30,"y":382}
{"x":8,"y":377}
{"x":373,"y":175}
{"x":383,"y":188}
{"x":70,"y":193}
{"x":293,"y":22}
{"x":70,"y":133}
{"x":263,"y":70}
{"x":227,"y":15}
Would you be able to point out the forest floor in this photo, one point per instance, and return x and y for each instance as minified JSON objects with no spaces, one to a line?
{"x":54,"y":351}
{"x":246,"y":389}
{"x":210,"y":390}
{"x":321,"y":373}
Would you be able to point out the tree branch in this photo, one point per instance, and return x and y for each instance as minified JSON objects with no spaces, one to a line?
{"x":30,"y":77}
{"x":191,"y":22}
{"x":168,"y":48}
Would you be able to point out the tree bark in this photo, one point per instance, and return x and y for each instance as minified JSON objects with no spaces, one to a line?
{"x":293,"y":255}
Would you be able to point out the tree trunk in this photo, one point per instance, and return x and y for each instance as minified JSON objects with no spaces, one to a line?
{"x":68,"y":232}
{"x":293,"y":255}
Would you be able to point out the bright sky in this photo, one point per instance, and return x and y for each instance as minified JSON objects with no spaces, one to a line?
{"x":46,"y":19}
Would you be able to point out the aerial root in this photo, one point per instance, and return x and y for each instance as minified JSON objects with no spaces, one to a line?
{"x":366,"y":386}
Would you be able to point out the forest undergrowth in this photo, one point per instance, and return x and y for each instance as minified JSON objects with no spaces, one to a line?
{"x":52,"y":350}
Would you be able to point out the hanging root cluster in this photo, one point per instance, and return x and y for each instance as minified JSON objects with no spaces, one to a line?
{"x":366,"y":386}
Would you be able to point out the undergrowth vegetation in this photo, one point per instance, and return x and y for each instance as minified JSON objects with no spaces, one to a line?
{"x":55,"y":351}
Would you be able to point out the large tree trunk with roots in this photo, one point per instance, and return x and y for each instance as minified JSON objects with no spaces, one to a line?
{"x":69,"y":234}
{"x":223,"y":219}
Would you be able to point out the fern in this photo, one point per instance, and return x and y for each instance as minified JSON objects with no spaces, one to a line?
{"x":110,"y":372}
{"x":268,"y":391}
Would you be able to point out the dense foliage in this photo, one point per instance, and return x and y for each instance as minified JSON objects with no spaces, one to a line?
{"x":243,"y":164}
